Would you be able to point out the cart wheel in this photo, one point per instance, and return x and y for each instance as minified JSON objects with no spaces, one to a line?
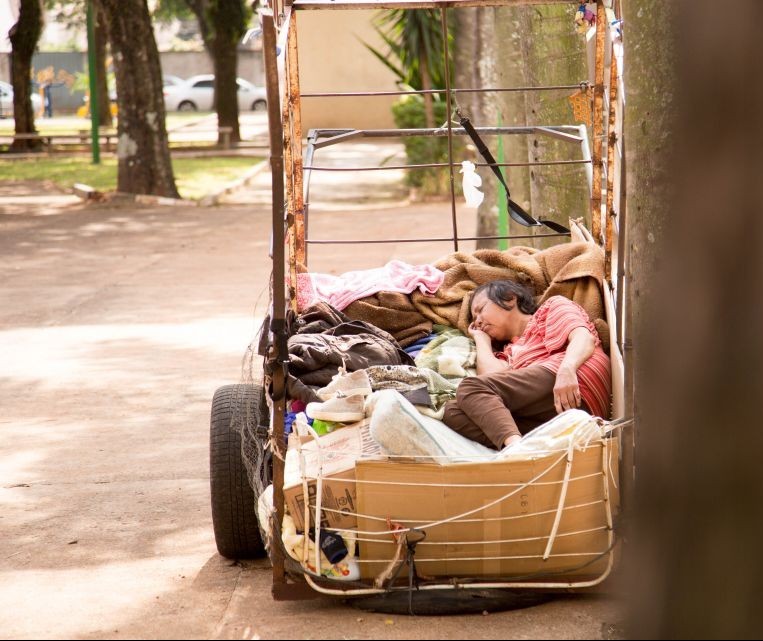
{"x":234,"y":515}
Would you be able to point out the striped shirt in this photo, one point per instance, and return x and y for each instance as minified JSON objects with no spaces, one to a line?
{"x":544,"y":343}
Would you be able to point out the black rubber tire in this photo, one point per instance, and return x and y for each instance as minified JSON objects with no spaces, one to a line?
{"x":187,"y":105}
{"x":259,"y":105}
{"x":234,"y":516}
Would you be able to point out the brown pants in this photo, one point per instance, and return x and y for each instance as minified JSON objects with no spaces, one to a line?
{"x":490,"y":408}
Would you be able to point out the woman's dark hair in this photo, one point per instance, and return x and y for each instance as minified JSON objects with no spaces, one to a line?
{"x":503,"y":291}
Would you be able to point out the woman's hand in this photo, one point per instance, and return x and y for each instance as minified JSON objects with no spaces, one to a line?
{"x":478,"y":335}
{"x":566,"y":389}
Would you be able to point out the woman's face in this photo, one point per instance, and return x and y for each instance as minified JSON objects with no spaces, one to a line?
{"x":500,"y":324}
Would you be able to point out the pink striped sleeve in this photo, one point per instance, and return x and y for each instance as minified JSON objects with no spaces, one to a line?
{"x":564,"y":316}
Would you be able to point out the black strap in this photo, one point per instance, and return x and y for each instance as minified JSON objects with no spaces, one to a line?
{"x":516,"y":212}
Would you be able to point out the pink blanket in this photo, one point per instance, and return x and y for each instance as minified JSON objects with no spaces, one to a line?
{"x":340,"y":291}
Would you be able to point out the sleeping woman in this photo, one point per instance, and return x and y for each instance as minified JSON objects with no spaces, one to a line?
{"x":550,"y":360}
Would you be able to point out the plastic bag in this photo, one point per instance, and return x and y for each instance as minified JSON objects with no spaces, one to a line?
{"x":471,"y":181}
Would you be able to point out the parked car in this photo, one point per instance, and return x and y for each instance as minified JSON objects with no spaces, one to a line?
{"x":197,"y":94}
{"x":168,"y":80}
{"x":6,"y":101}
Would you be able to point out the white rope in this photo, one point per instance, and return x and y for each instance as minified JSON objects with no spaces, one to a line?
{"x":522,"y":540}
{"x":516,"y":557}
{"x":484,"y":519}
{"x":569,"y":454}
{"x":430,"y":524}
{"x":500,"y":499}
{"x":609,"y":459}
{"x":562,"y":497}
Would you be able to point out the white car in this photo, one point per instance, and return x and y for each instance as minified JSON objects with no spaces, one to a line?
{"x":6,"y":101}
{"x":197,"y":94}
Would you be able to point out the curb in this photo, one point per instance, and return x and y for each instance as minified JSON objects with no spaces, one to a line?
{"x":213,"y":198}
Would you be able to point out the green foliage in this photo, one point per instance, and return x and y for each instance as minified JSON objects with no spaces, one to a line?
{"x":408,"y":113}
{"x":415,"y":45}
{"x":165,"y":11}
{"x":228,"y":19}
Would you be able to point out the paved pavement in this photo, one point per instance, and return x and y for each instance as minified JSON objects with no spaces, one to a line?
{"x":117,"y":325}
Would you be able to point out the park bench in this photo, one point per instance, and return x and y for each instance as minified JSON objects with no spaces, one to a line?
{"x":83,"y":138}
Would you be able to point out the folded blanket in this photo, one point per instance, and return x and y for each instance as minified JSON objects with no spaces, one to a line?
{"x":451,"y":354}
{"x":340,"y":291}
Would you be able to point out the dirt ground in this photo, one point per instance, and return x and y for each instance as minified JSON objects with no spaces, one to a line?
{"x":117,"y":325}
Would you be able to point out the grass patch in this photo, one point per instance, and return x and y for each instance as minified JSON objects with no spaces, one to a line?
{"x":194,"y":177}
{"x":73,"y":125}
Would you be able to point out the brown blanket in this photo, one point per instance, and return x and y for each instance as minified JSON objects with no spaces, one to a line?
{"x":574,"y":270}
{"x":393,"y":312}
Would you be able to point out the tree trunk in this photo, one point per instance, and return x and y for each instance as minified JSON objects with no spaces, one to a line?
{"x":222,"y":24}
{"x":142,"y":151}
{"x":101,"y":42}
{"x":475,"y":39}
{"x":512,"y":109}
{"x":553,"y":54}
{"x":225,"y":61}
{"x":699,"y":486}
{"x":24,"y":36}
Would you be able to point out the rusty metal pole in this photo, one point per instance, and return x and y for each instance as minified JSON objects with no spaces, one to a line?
{"x":277,"y":323}
{"x":611,"y":143}
{"x":598,"y":122}
{"x":448,"y":107}
{"x":295,"y":104}
{"x":288,"y":148}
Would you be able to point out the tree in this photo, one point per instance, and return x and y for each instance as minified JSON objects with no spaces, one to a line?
{"x":553,"y":53}
{"x":478,"y":67}
{"x":222,"y":24}
{"x":142,"y":151}
{"x":523,"y":46}
{"x":24,"y":36}
{"x":695,"y":218}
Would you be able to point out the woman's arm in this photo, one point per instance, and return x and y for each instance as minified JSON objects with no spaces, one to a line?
{"x":580,"y":347}
{"x":487,"y":363}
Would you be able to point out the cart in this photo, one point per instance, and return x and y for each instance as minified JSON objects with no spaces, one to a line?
{"x":549,"y":523}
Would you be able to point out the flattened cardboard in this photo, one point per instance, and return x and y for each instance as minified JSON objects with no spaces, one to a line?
{"x":504,"y":524}
{"x":337,"y":452}
{"x":339,"y":501}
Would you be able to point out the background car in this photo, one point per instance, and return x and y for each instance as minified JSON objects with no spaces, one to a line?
{"x":197,"y":94}
{"x":168,"y":80}
{"x":6,"y":101}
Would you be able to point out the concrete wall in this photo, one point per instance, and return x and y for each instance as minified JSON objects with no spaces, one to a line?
{"x":332,"y":57}
{"x":63,"y":62}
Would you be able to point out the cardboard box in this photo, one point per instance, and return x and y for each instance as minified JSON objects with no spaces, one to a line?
{"x":334,"y":455}
{"x":502,"y":524}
